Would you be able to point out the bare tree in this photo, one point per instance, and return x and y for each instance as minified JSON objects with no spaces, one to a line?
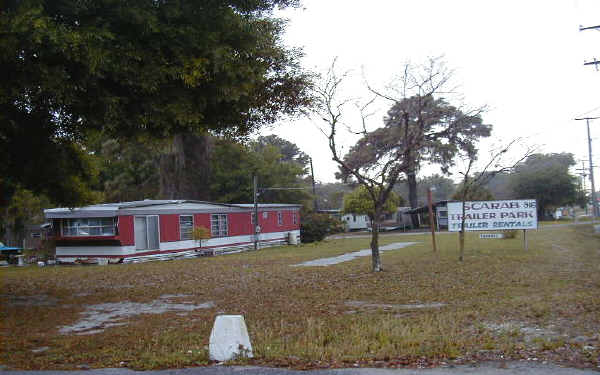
{"x":382,"y":156}
{"x":498,"y":162}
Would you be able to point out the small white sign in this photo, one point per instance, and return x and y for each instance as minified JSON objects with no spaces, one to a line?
{"x":493,"y":215}
{"x":491,"y":235}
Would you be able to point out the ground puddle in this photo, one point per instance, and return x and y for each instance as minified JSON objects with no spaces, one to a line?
{"x":350,"y":256}
{"x":416,"y":306}
{"x":96,"y":318}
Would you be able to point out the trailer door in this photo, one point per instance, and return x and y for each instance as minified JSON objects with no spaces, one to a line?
{"x":141,"y":233}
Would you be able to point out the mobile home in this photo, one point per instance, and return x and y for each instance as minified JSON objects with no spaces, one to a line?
{"x":133,"y":231}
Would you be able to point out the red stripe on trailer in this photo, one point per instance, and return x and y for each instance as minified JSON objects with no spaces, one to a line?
{"x":169,"y":228}
{"x":239,"y":224}
{"x":202,"y":220}
{"x":126,"y":230}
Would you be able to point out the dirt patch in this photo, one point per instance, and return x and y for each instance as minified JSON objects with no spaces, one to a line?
{"x":559,"y":247}
{"x":96,"y":318}
{"x":323,"y":262}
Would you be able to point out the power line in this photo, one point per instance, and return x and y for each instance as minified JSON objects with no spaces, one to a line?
{"x":590,"y":111}
{"x":582,"y":28}
{"x":594,"y":62}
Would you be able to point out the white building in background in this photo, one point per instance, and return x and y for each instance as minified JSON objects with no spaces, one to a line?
{"x":356,"y":222}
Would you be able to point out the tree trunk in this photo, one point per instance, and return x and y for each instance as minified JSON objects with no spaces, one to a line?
{"x":375,"y":256}
{"x":461,"y":234}
{"x":412,"y":196}
{"x":185,"y":169}
{"x":541,"y":212}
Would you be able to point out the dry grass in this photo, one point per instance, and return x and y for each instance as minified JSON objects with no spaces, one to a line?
{"x":299,"y":317}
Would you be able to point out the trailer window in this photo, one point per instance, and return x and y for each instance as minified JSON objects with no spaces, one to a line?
{"x":100,"y":226}
{"x":186,"y":226}
{"x":279,"y":218}
{"x":218,"y":225}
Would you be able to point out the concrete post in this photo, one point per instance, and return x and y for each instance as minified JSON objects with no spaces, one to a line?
{"x":229,"y":339}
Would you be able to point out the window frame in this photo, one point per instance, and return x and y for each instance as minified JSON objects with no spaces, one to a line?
{"x":191,"y":229}
{"x":279,"y":218}
{"x":295,"y":218}
{"x":72,"y":227}
{"x":218,"y":220}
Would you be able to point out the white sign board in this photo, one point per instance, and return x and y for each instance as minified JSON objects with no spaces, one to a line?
{"x":493,"y":215}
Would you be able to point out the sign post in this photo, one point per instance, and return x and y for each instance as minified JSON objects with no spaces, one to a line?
{"x":431,"y":218}
{"x":494,"y":215}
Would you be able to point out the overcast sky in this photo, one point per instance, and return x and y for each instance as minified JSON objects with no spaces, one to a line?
{"x":523,"y":59}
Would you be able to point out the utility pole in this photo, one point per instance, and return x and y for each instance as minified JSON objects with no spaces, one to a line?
{"x":595,"y":210}
{"x":594,"y":62}
{"x":583,"y":173}
{"x":312,"y":173}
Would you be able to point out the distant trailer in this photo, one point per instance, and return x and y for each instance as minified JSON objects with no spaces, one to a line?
{"x":141,"y":230}
{"x":356,"y":222}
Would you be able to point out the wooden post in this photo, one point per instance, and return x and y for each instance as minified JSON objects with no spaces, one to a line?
{"x":525,"y":240}
{"x":431,"y":224}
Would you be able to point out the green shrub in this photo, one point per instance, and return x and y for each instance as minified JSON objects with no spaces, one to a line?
{"x":200,"y":233}
{"x":510,"y":233}
{"x":315,"y":227}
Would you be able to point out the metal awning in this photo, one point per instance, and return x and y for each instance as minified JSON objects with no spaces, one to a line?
{"x":425,"y":209}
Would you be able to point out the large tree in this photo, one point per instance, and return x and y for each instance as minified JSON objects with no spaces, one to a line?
{"x":234,"y":164}
{"x":546,"y":178}
{"x":474,"y":193}
{"x":420,"y":121}
{"x":444,"y":188}
{"x":330,"y":196}
{"x":128,"y":169}
{"x":23,"y":208}
{"x":164,"y":68}
{"x":288,"y":150}
{"x":424,"y":115}
{"x":426,"y":111}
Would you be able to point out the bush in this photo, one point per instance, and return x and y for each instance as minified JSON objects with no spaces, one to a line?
{"x":315,"y":227}
{"x":46,"y":251}
{"x":510,"y":233}
{"x":200,"y":233}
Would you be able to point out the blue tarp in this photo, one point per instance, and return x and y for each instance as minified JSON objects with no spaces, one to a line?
{"x":8,"y":248}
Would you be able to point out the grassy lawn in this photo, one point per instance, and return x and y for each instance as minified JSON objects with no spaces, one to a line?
{"x":500,"y":303}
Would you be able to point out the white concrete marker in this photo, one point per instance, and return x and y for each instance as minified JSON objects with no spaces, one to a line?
{"x":229,"y":339}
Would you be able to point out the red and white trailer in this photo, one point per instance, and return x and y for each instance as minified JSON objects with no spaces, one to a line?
{"x":135,"y":231}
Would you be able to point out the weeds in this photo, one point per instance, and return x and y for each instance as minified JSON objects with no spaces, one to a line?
{"x":299,"y":316}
